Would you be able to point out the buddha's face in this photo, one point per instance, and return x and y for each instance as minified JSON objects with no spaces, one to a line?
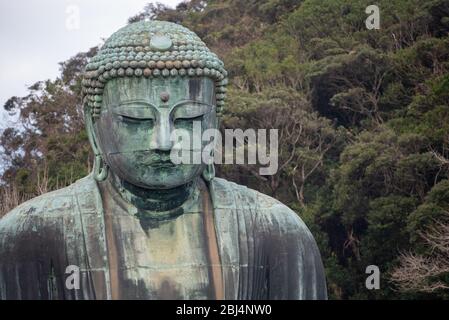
{"x":135,"y":128}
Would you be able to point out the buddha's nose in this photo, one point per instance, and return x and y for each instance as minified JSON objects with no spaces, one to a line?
{"x":160,"y":139}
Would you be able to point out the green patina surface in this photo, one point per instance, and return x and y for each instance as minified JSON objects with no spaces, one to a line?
{"x":134,"y":137}
{"x":141,"y":227}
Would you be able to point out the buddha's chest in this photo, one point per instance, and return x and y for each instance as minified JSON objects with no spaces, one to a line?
{"x":168,"y":261}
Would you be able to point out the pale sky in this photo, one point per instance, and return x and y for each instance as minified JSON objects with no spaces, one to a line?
{"x":37,"y":34}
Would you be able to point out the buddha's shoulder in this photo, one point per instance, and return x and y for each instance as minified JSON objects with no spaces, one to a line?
{"x":259,"y":207}
{"x":49,"y":207}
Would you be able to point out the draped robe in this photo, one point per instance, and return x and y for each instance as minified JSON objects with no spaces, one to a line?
{"x":257,"y":249}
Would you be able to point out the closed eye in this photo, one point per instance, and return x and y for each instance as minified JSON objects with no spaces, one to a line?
{"x":198,"y":118}
{"x":134,"y":120}
{"x":134,"y":112}
{"x":186,"y":122}
{"x":191,"y":110}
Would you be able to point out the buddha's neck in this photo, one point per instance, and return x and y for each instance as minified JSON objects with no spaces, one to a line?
{"x":153,"y":200}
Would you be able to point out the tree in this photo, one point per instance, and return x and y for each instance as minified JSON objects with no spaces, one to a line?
{"x":305,"y":138}
{"x":428,"y":272}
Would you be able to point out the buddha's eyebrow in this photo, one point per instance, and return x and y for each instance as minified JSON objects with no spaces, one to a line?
{"x":136,"y":101}
{"x":183,"y":102}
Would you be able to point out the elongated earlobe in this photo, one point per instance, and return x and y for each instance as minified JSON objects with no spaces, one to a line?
{"x":209,"y":172}
{"x":101,"y":169}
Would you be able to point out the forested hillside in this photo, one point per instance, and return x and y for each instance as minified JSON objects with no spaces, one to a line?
{"x":363,"y":117}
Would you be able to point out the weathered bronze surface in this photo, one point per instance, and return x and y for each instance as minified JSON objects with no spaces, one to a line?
{"x":140,"y":227}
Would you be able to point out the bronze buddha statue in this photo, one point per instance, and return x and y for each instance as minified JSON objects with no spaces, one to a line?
{"x":140,"y":226}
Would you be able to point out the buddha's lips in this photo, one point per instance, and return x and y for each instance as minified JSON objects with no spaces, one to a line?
{"x":153,"y":159}
{"x":161,"y":164}
{"x":149,"y":158}
{"x":154,"y":152}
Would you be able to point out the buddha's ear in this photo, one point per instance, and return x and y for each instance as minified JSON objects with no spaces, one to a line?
{"x":89,"y":124}
{"x":100,"y":169}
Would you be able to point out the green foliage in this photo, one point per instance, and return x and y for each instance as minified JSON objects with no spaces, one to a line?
{"x":51,"y":149}
{"x":434,"y":208}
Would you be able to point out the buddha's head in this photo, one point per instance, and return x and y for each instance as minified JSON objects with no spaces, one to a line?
{"x":149,"y":79}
